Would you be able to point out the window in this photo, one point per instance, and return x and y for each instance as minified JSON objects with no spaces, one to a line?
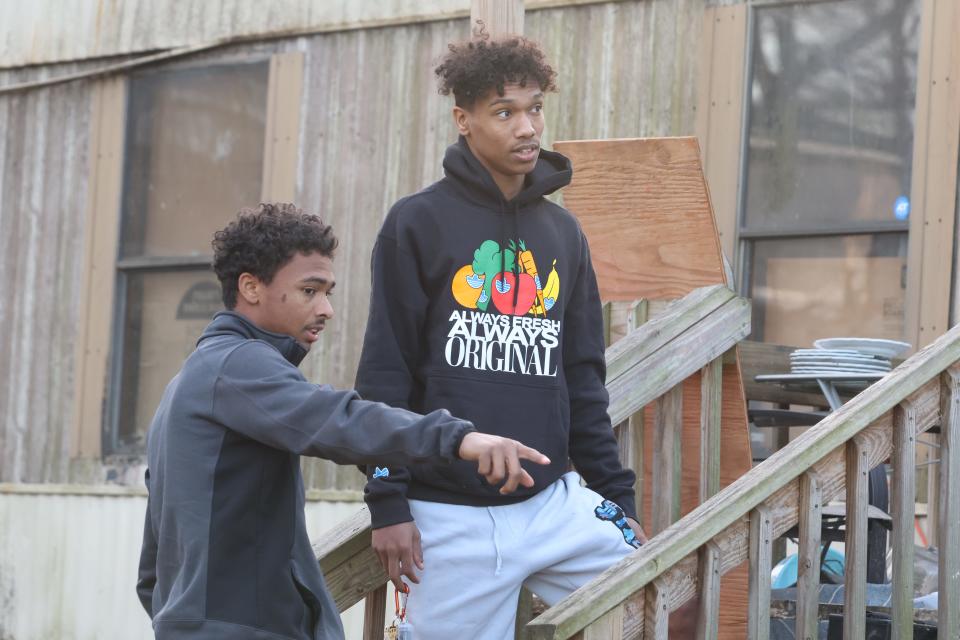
{"x":828,"y":169}
{"x":193,"y":156}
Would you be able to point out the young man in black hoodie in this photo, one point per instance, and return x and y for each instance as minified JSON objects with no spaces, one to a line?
{"x":485,"y":303}
{"x":225,"y":548}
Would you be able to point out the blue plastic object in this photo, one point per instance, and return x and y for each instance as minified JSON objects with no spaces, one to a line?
{"x":784,"y":575}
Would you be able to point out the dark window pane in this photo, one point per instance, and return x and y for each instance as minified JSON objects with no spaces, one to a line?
{"x":164,"y":315}
{"x":832,"y":114}
{"x":805,"y":289}
{"x":194,"y":155}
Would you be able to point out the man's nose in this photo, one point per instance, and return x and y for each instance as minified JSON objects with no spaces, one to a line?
{"x":325,"y":308}
{"x":525,"y":128}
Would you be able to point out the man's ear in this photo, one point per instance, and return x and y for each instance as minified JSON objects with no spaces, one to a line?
{"x":249,"y":287}
{"x":462,"y":119}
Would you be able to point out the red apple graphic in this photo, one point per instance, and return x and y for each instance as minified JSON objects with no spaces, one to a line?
{"x":502,"y":293}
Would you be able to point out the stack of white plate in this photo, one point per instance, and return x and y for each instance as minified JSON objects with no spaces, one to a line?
{"x":847,"y":355}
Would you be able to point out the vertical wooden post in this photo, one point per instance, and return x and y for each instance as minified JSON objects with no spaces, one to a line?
{"x":855,"y":564}
{"x":609,"y":626}
{"x":761,"y":551}
{"x":524,"y":614}
{"x":667,"y":427}
{"x":375,"y":614}
{"x":656,"y":617}
{"x":708,"y":622}
{"x":902,"y":510}
{"x":948,"y":618}
{"x":633,"y":444}
{"x":711,"y":393}
{"x":495,"y":18}
{"x":808,"y":557}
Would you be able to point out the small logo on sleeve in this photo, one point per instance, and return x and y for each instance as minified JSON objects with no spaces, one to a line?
{"x":381,"y":472}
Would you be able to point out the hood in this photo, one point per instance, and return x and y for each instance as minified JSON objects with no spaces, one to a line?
{"x":552,"y":171}
{"x":232,"y":323}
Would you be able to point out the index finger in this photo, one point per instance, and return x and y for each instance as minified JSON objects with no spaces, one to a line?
{"x":531,"y":454}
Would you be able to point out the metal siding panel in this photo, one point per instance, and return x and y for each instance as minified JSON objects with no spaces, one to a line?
{"x":68,"y":564}
{"x":42,"y":187}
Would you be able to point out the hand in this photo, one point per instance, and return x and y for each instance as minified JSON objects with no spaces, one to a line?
{"x":399,"y":550}
{"x":499,"y":458}
{"x":637,"y":530}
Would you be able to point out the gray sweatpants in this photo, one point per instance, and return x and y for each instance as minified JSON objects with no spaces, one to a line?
{"x":477,"y":558}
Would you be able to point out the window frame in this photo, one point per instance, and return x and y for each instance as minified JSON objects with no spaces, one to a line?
{"x":725,"y":60}
{"x":97,"y":353}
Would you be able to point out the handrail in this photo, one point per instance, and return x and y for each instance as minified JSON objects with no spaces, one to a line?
{"x":652,"y":361}
{"x":741,"y":521}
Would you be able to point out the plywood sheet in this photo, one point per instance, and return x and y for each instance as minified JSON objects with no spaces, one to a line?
{"x":645,"y":208}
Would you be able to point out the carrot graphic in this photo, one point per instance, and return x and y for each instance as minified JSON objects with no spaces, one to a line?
{"x":526,"y":261}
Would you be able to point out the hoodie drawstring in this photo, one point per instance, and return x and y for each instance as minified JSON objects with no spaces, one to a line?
{"x":496,"y":541}
{"x":516,"y":258}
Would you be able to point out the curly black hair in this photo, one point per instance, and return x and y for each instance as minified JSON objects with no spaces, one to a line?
{"x":262,"y":240}
{"x":471,"y":69}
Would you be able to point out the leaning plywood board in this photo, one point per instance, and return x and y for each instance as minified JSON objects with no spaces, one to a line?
{"x":645,"y":208}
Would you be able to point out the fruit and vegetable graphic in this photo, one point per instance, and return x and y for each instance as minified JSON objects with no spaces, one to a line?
{"x":503,"y":294}
{"x":467,"y":287}
{"x":488,"y":262}
{"x":492,"y":277}
{"x":550,"y":292}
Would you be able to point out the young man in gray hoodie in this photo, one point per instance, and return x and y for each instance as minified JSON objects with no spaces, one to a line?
{"x":225,"y":548}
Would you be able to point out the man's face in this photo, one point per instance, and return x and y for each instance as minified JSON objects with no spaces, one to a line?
{"x":296,"y":302}
{"x":504,"y":131}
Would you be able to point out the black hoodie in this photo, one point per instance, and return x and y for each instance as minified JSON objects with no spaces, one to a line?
{"x":490,"y":309}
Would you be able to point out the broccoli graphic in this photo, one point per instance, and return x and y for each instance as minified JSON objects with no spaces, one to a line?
{"x":487,"y":262}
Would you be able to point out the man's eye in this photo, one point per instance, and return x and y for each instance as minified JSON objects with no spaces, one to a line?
{"x":538,"y":108}
{"x":503,"y":115}
{"x":309,"y":291}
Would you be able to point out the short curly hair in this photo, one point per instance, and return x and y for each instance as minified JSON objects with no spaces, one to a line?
{"x":470,"y":70}
{"x":261,"y":241}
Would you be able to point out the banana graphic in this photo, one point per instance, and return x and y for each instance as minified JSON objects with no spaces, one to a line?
{"x":551,"y":291}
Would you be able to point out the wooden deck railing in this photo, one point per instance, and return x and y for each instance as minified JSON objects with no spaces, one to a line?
{"x":647,"y":366}
{"x":634,"y":598}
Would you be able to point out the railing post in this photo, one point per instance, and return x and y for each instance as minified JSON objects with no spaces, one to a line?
{"x":656,"y":611}
{"x":711,"y":396}
{"x":903,"y":511}
{"x":708,"y":620}
{"x":375,"y":614}
{"x":524,"y":614}
{"x":609,"y":626}
{"x":855,"y":550}
{"x":667,"y":436}
{"x":948,"y":618}
{"x":761,"y":553}
{"x":639,"y":314}
{"x":808,"y":557}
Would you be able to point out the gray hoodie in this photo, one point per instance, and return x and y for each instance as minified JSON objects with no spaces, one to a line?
{"x":225,"y":548}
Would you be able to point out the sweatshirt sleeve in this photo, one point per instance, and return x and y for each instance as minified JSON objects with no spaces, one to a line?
{"x":593,"y":446}
{"x":264,"y":397}
{"x":398,"y":307}
{"x":147,"y":574}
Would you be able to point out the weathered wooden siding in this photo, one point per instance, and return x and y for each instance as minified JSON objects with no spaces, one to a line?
{"x":373,"y":128}
{"x":45,"y":31}
{"x":43,"y":173}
